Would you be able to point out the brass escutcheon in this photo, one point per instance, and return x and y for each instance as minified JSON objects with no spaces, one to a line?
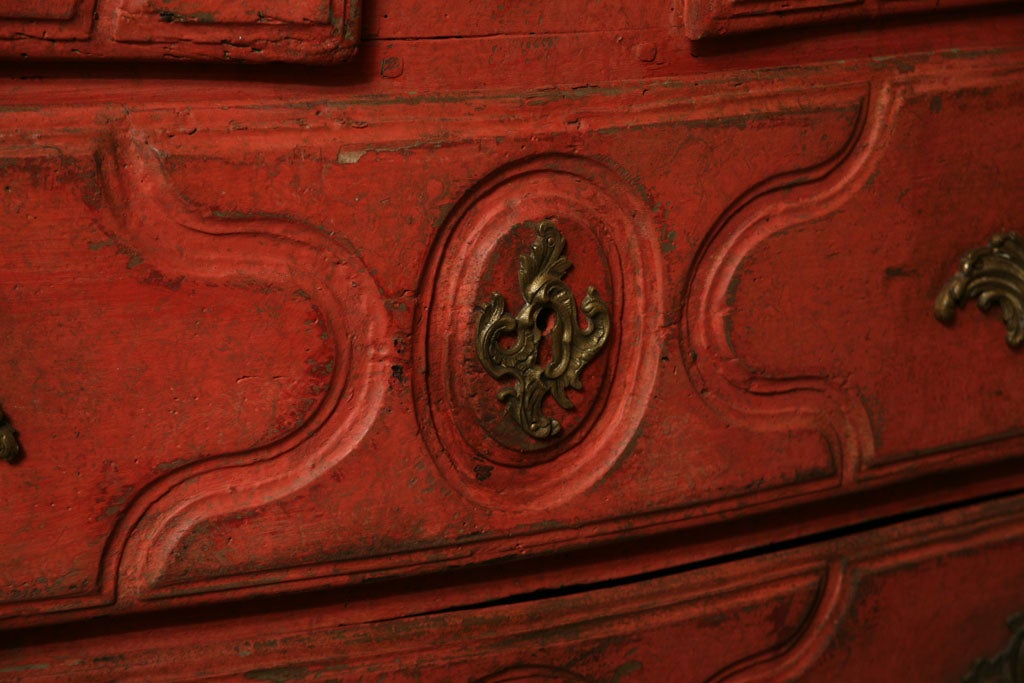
{"x":1008,"y":665}
{"x":991,"y":274}
{"x":548,"y":302}
{"x":10,"y":449}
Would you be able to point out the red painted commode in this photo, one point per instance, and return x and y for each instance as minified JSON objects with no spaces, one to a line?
{"x":552,"y":340}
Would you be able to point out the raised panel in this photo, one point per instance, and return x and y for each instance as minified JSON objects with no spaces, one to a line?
{"x":925,"y":600}
{"x":424,"y":499}
{"x":203,"y":30}
{"x":715,"y":18}
{"x":25,"y":9}
{"x":238,"y":13}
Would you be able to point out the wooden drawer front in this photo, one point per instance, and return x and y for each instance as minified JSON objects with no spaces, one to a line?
{"x":929,"y":601}
{"x":243,"y":347}
{"x":203,"y":30}
{"x":713,"y":18}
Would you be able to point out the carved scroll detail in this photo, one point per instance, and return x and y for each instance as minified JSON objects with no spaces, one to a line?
{"x":991,"y":274}
{"x":572,"y":348}
{"x":1008,"y":665}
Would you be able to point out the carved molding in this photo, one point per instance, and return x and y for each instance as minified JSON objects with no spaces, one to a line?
{"x":803,"y":401}
{"x":741,"y":373}
{"x":148,"y":537}
{"x":709,"y":19}
{"x":304,"y":31}
{"x":49,"y":22}
{"x":484,"y":451}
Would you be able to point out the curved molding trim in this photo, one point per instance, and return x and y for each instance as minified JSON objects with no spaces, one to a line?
{"x":721,"y":377}
{"x":283,"y":252}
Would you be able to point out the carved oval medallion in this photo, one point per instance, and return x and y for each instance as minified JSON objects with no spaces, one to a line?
{"x":538,"y":331}
{"x":1008,"y":665}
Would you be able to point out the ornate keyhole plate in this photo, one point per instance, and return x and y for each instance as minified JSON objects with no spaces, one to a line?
{"x":538,"y":336}
{"x":10,"y":449}
{"x":548,"y":314}
{"x":1008,"y":665}
{"x":992,"y":274}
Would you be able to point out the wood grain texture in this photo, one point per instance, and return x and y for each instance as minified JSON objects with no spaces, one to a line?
{"x":126,"y":370}
{"x":40,"y":22}
{"x":716,"y":18}
{"x":866,"y":296}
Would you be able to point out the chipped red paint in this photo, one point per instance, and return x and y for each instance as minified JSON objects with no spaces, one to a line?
{"x":916,"y":601}
{"x":303,"y":31}
{"x":241,"y":304}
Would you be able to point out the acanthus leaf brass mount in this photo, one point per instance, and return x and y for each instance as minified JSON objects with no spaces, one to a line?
{"x":10,"y":449}
{"x":547,"y":300}
{"x":1008,"y":665}
{"x":991,"y":274}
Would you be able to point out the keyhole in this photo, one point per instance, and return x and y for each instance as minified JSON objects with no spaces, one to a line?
{"x":545,"y":323}
{"x":545,"y":320}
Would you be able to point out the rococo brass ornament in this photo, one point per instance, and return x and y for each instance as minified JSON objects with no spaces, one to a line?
{"x":1008,"y":665}
{"x":10,"y":450}
{"x":548,"y":302}
{"x":991,"y":274}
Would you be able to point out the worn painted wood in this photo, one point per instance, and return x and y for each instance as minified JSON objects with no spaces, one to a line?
{"x":722,"y":18}
{"x":309,"y":31}
{"x":915,"y":602}
{"x":242,"y":307}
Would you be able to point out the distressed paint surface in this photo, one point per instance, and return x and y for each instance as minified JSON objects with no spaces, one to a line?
{"x":378,"y":492}
{"x":869,"y":606}
{"x":311,"y":32}
{"x":241,"y":303}
{"x":122,"y":372}
{"x":716,"y":18}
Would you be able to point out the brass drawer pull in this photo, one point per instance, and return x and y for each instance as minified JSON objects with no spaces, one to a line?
{"x":991,"y":274}
{"x":10,"y":449}
{"x":549,"y":303}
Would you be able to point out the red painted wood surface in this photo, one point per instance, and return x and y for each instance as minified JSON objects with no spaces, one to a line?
{"x":306,"y":31}
{"x":716,"y":18}
{"x":917,"y":602}
{"x":241,"y":306}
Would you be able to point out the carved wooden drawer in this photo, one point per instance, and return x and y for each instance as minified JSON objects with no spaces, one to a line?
{"x":872,"y":605}
{"x":404,"y":339}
